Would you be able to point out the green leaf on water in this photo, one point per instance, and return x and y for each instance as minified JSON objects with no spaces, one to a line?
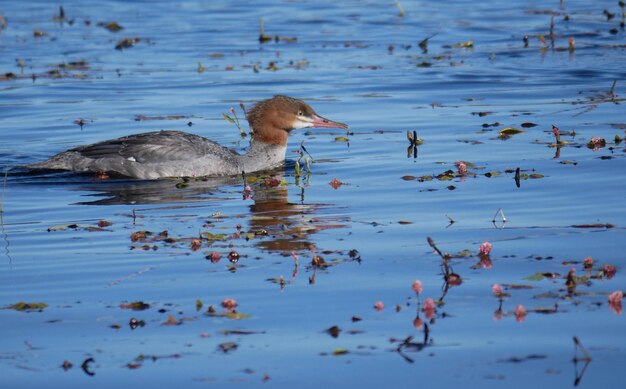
{"x":464,"y":254}
{"x":213,"y":237}
{"x":536,"y":175}
{"x":509,"y":131}
{"x":340,"y":351}
{"x":341,"y":139}
{"x":237,"y":316}
{"x":535,"y":277}
{"x":27,"y":307}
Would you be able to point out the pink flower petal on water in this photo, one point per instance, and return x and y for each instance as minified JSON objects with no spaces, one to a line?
{"x":485,"y":248}
{"x":520,"y":313}
{"x":609,"y":271}
{"x":417,"y":286}
{"x":496,"y":289}
{"x":615,"y":302}
{"x":379,"y":306}
{"x":429,"y":308}
{"x":461,"y":167}
{"x":229,"y":304}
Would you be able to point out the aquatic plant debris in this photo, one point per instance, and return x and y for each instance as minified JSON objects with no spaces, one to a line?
{"x":27,"y":307}
{"x":280,"y":243}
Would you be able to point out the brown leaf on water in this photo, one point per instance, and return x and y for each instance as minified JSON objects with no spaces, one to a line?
{"x":111,"y":26}
{"x":139,"y":118}
{"x":135,"y":306}
{"x":126,"y":43}
{"x":171,"y":321}
{"x":528,"y":125}
{"x":227,"y":347}
{"x":408,"y":178}
{"x":104,"y":223}
{"x":333,"y":331}
{"x":598,"y":225}
{"x":39,"y":33}
{"x":239,"y":332}
{"x":139,"y":236}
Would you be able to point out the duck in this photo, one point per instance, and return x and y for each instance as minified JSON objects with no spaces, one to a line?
{"x":171,"y":154}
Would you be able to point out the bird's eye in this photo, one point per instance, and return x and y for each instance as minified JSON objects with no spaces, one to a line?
{"x":300,"y":113}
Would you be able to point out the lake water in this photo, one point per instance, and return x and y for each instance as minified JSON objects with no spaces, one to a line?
{"x":75,"y":242}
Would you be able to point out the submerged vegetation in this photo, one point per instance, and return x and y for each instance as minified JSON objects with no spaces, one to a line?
{"x":360,"y":257}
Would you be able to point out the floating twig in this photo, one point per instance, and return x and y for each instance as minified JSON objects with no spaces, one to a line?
{"x":400,"y":8}
{"x":424,"y":43}
{"x":586,"y":359}
{"x":499,"y":211}
{"x":578,"y":346}
{"x":4,"y":188}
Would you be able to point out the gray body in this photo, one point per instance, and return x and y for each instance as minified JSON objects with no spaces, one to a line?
{"x":162,"y":154}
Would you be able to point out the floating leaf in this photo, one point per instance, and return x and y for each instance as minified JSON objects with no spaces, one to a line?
{"x":509,"y":131}
{"x":27,"y":307}
{"x":535,"y":277}
{"x":63,"y":227}
{"x":126,"y":43}
{"x":135,"y":306}
{"x":213,"y":237}
{"x":227,"y":347}
{"x":540,"y":276}
{"x":465,"y":44}
{"x":536,"y":175}
{"x":237,"y":316}
{"x":340,"y":351}
{"x":111,"y":26}
{"x":341,"y":139}
{"x":171,"y":321}
{"x":334,"y":331}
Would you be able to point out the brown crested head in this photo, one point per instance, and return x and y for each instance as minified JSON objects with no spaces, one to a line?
{"x":272,"y":119}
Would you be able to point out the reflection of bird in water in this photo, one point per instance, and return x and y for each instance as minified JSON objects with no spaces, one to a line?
{"x":289,"y":225}
{"x":281,"y":225}
{"x":163,"y":154}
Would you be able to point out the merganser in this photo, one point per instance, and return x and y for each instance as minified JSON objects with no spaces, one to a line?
{"x":162,"y":154}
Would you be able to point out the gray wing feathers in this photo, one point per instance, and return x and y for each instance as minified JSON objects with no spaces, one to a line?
{"x":151,"y":147}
